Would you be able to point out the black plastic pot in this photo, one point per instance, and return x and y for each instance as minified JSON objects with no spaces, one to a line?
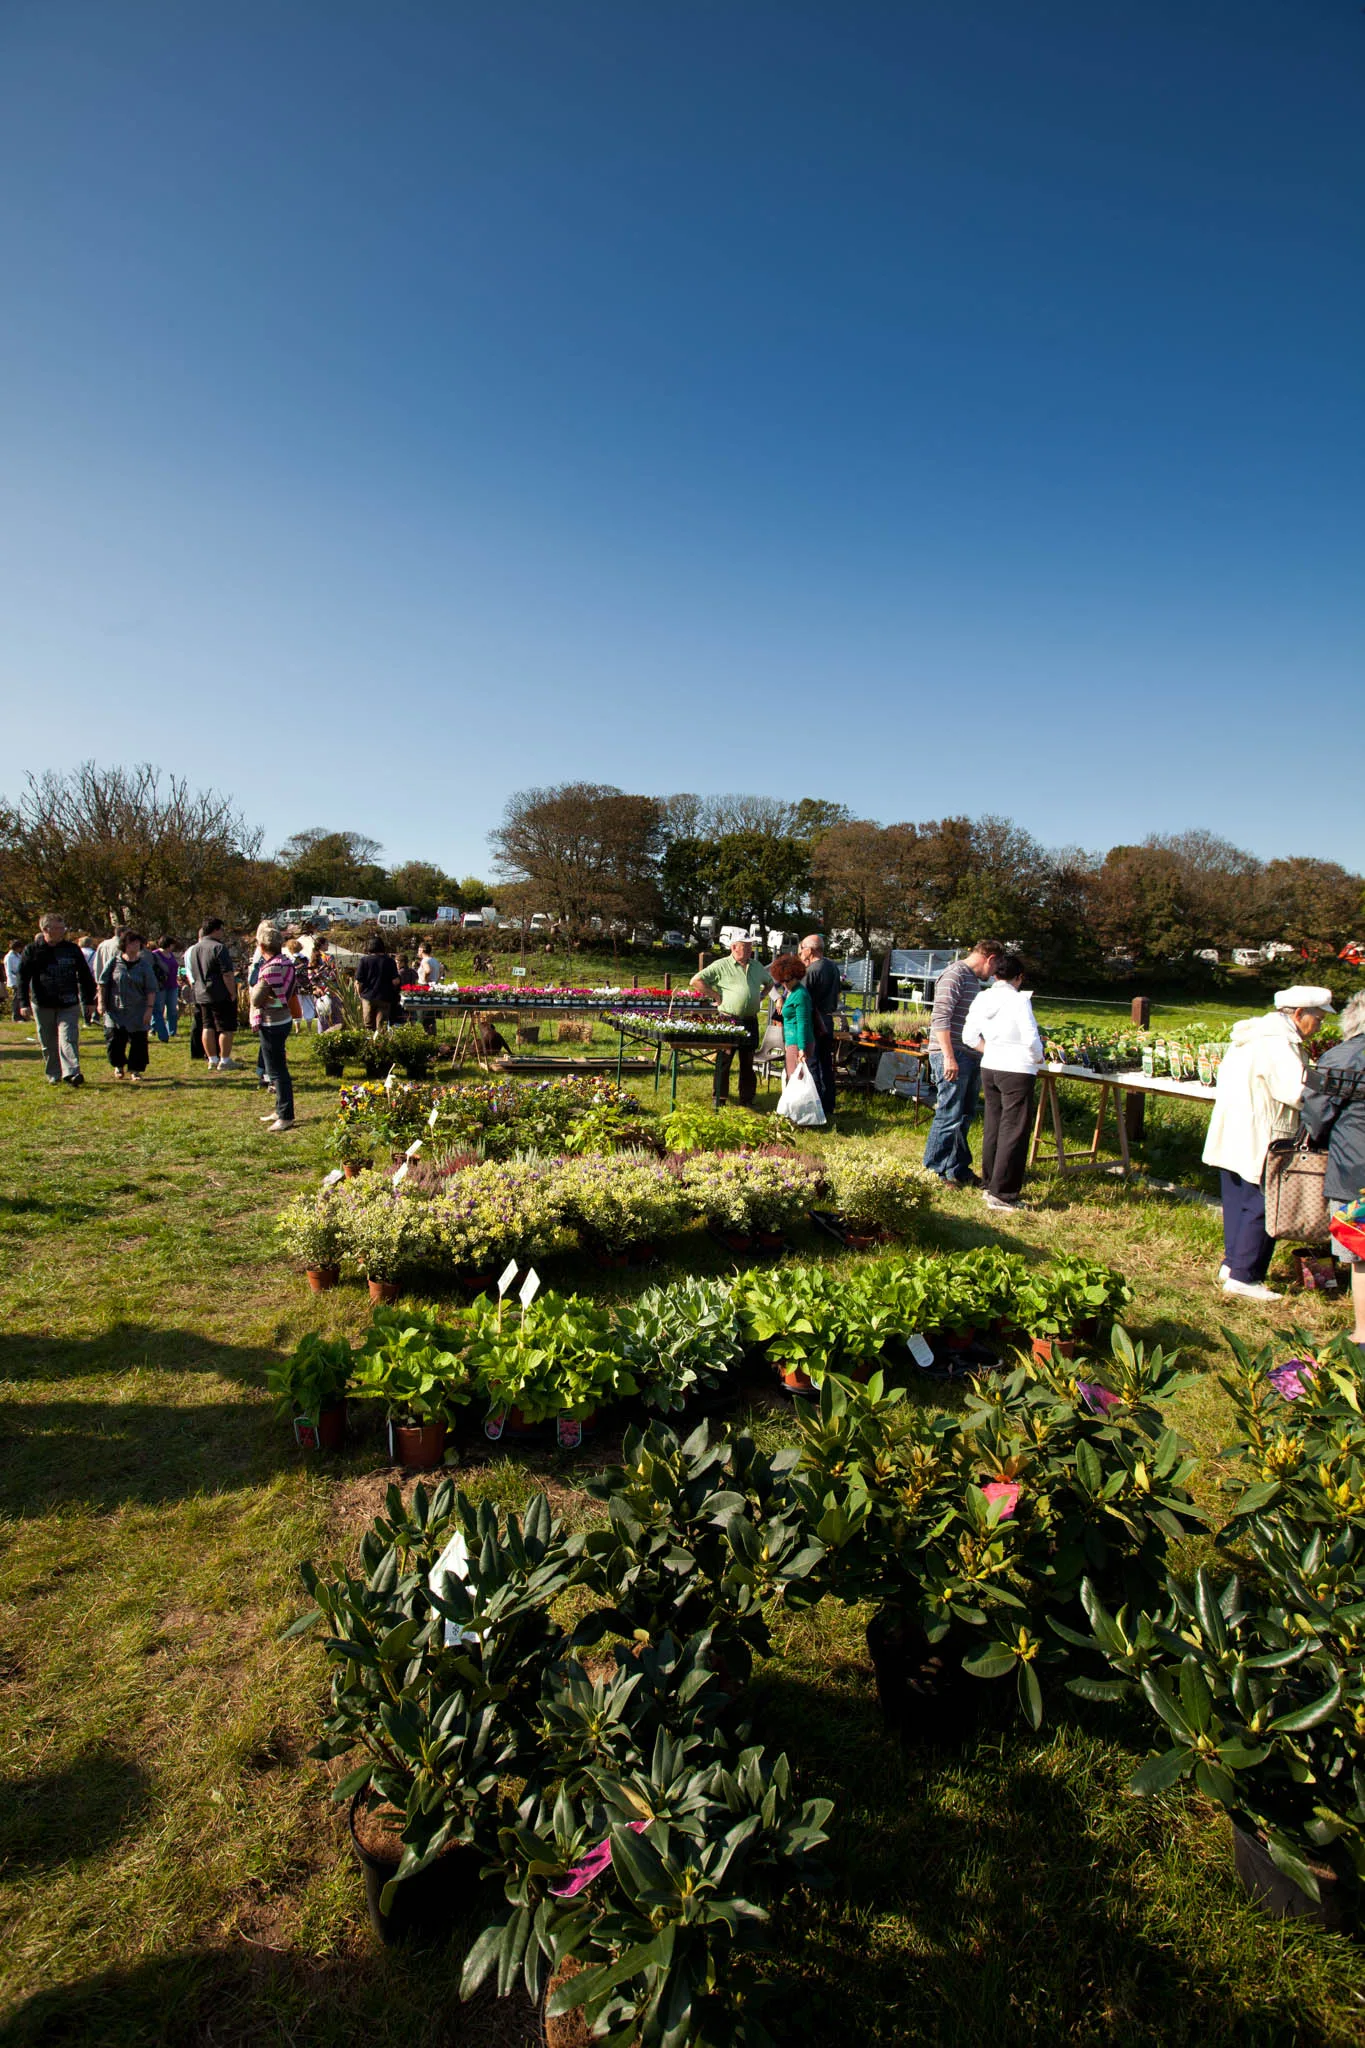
{"x":425,"y":1905}
{"x":926,"y":1696}
{"x":1279,"y":1895}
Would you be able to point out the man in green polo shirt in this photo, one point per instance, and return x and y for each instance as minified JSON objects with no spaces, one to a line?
{"x":736,"y":983}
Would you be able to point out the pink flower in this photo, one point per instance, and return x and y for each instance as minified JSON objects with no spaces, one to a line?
{"x":1099,"y":1400}
{"x":1007,"y":1492}
{"x":1292,"y":1378}
{"x":593,"y":1864}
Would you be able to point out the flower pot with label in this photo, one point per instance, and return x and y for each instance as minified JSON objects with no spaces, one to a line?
{"x":1045,"y":1349}
{"x":320,"y":1278}
{"x":384,"y":1290}
{"x":794,"y":1378}
{"x":310,"y":1390}
{"x":324,"y":1431}
{"x":417,"y":1446}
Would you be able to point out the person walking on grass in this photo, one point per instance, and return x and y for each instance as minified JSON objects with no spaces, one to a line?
{"x":55,"y":985}
{"x":128,"y":987}
{"x":823,"y":985}
{"x":213,"y":981}
{"x":1334,"y":1108}
{"x":14,"y":960}
{"x":166,"y":1015}
{"x":1259,"y":1089}
{"x":273,"y":980}
{"x":737,"y":983}
{"x":1000,"y":1026}
{"x":955,"y":1067}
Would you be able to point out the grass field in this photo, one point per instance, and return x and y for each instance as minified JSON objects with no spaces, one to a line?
{"x":173,"y":1869}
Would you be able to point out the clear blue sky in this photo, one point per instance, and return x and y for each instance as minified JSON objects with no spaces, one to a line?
{"x":939,"y":405}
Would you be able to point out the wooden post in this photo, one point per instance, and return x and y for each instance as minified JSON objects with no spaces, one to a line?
{"x":1134,"y":1104}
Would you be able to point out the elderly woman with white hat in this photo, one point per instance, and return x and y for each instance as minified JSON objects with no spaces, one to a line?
{"x":1260,"y":1087}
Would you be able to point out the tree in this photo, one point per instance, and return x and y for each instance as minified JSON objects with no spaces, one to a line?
{"x":1312,"y":904}
{"x":866,"y":877}
{"x":1143,"y":906}
{"x":420,"y":883}
{"x":760,"y":878}
{"x":1220,"y":886}
{"x":689,"y":880}
{"x":126,"y":845}
{"x":591,"y":850}
{"x":322,"y":863}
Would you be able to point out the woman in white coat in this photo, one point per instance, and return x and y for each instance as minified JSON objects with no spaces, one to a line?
{"x":1000,"y":1025}
{"x":1260,"y":1086}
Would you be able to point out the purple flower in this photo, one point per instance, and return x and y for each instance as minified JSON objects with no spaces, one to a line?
{"x":593,"y":1864}
{"x":1292,"y":1378}
{"x":1099,"y":1400}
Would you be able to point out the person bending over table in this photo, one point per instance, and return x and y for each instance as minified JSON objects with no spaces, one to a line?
{"x":737,"y":983}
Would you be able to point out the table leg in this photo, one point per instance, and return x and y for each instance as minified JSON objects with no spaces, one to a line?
{"x":1121,"y":1120}
{"x":1044,"y":1095}
{"x":658,"y":1062}
{"x":1102,"y":1098}
{"x":1057,"y":1124}
{"x":673,"y":1082}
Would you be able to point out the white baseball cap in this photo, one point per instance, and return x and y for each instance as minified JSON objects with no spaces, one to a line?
{"x":1301,"y":997}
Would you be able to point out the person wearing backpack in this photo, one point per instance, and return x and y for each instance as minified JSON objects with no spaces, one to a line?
{"x":273,"y":982}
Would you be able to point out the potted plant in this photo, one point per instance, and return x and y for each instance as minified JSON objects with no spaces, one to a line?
{"x":310,"y":1234}
{"x":391,"y":1232}
{"x":678,"y":1340}
{"x":621,"y":1206}
{"x":556,"y":1360}
{"x":874,"y":1196}
{"x":749,"y":1199}
{"x":351,"y":1147}
{"x":417,"y":1368}
{"x":310,"y":1387}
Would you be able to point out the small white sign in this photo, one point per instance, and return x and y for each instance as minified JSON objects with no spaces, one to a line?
{"x":920,"y":1352}
{"x":507,"y":1277}
{"x":453,"y":1563}
{"x":413,"y":1149}
{"x":390,"y":1080}
{"x":434,"y":1118}
{"x":519,"y":972}
{"x":530,"y":1287}
{"x":401,"y":1175}
{"x":330,"y":1180}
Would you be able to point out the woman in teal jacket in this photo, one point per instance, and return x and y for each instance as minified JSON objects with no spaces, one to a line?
{"x":798,"y":1015}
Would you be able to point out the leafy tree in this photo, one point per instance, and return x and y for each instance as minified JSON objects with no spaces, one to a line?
{"x":127,"y":845}
{"x":760,"y":878}
{"x":419,"y":882}
{"x":866,"y":877}
{"x":591,"y":850}
{"x":1143,"y":905}
{"x":689,"y":880}
{"x":322,"y":863}
{"x":1312,"y":904}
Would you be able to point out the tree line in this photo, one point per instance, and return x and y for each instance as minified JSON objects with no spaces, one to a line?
{"x":108,"y":845}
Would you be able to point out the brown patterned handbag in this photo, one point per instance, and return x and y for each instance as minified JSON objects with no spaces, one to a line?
{"x":1295,"y":1205}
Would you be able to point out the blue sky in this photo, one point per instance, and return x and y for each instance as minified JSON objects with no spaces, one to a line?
{"x":945,"y":405}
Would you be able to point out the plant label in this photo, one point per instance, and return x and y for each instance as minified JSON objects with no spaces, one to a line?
{"x":453,"y":1563}
{"x":401,"y":1175}
{"x":530,"y":1287}
{"x":413,"y":1149}
{"x":434,"y":1118}
{"x":390,"y":1080}
{"x":568,"y":1433}
{"x":507,"y":1276}
{"x":306,"y":1432}
{"x":494,"y":1425}
{"x":920,"y":1352}
{"x":330,"y":1180}
{"x":519,"y":971}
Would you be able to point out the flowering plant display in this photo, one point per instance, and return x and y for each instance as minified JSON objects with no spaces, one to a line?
{"x":490,"y":1213}
{"x":506,"y":1115}
{"x":690,"y":1128}
{"x":747,"y":1192}
{"x":647,"y":1024}
{"x":310,"y":1229}
{"x":390,"y":1232}
{"x":620,"y":1203}
{"x":872,"y":1191}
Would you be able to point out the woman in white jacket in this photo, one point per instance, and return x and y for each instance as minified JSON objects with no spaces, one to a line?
{"x":1260,"y":1086}
{"x":1000,"y":1026}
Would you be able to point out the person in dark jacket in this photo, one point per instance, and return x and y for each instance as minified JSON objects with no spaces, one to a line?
{"x":376,"y":976}
{"x":55,"y":986}
{"x":128,"y":987}
{"x":1333,"y":1107}
{"x":823,"y":985}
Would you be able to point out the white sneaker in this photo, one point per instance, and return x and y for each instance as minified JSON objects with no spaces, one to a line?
{"x":228,"y":1063}
{"x":280,"y":1125}
{"x":1223,"y":1273}
{"x":213,"y":1066}
{"x":270,"y":1116}
{"x":1251,"y":1290}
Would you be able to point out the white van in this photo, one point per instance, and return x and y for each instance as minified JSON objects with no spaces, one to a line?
{"x":541,"y":921}
{"x":345,"y":909}
{"x":472,"y":921}
{"x":405,"y":914}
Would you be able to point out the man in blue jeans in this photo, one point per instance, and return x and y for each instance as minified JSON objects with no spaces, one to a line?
{"x":955,"y":1068}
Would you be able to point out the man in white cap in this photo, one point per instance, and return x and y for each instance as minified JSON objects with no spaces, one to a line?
{"x":1260,"y":1086}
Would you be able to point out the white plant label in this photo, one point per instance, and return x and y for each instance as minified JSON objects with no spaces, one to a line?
{"x":401,"y":1175}
{"x":920,"y":1352}
{"x":506,"y":1278}
{"x":433,"y":1119}
{"x":519,"y":971}
{"x":330,"y":1180}
{"x":413,"y":1149}
{"x":530,"y":1287}
{"x":453,"y":1563}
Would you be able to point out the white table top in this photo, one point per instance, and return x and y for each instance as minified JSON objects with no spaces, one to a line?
{"x":1138,"y":1083}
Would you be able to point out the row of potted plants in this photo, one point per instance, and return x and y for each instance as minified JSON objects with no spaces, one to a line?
{"x":468,"y":1218}
{"x":515,"y":995}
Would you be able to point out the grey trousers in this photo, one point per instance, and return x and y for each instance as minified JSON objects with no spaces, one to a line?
{"x":59,"y":1034}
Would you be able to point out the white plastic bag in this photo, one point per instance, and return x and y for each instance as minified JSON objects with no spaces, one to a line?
{"x":800,"y":1098}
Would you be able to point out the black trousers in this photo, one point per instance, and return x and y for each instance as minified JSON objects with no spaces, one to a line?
{"x":1004,"y":1146}
{"x":821,"y":1063}
{"x":1247,"y":1246}
{"x":748,"y":1080}
{"x":127,"y":1049}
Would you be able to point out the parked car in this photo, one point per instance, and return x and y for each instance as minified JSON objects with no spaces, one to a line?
{"x":472,"y":921}
{"x":675,"y":939}
{"x":406,"y":913}
{"x":542,"y":921}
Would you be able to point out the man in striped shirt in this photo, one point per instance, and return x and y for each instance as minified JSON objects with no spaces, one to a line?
{"x":956,"y":1068}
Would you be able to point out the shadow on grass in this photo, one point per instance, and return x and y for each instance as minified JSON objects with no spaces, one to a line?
{"x":246,"y":1996}
{"x":58,"y":1816}
{"x":972,"y":1899}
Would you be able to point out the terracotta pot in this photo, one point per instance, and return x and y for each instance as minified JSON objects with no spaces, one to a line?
{"x":352,"y":1168}
{"x":770,"y":1240}
{"x":795,"y":1379}
{"x":1269,"y":1886}
{"x":417,"y":1446}
{"x":959,"y":1340}
{"x":384,"y":1290}
{"x":320,"y":1278}
{"x":327,"y":1433}
{"x":1046,"y":1348}
{"x":421,"y":1905}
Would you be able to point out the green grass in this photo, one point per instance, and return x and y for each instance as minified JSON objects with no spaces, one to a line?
{"x":173,"y":1870}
